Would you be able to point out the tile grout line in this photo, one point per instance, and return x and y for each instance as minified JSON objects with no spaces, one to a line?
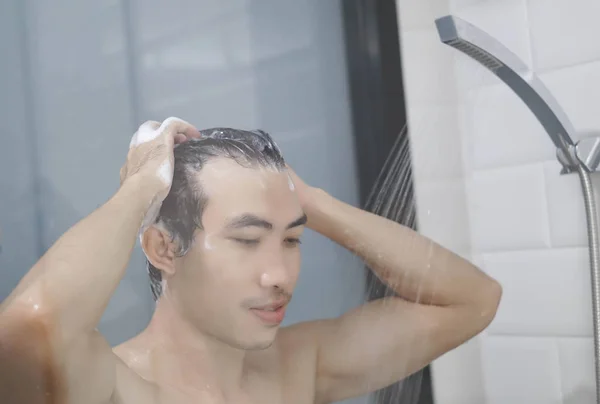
{"x":500,"y":334}
{"x":558,"y":361}
{"x":529,"y":35}
{"x":548,"y":230}
{"x":532,"y":249}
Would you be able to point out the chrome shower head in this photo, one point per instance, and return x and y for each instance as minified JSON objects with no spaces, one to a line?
{"x":514,"y":72}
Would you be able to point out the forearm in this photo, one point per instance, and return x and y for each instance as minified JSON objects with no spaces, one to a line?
{"x":73,"y":282}
{"x":418,"y":269}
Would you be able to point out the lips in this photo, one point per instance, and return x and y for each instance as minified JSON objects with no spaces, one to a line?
{"x":271,"y":314}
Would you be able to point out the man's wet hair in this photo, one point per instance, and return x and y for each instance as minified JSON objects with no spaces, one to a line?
{"x":182,"y":209}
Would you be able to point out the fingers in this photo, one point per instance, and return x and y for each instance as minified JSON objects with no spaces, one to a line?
{"x":145,"y":133}
{"x":151,"y":125}
{"x":123,"y":173}
{"x":174,"y":126}
{"x":180,"y":138}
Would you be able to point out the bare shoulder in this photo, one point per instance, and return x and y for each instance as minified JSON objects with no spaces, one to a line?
{"x":132,"y":384}
{"x":302,"y":337}
{"x":306,"y":337}
{"x":133,"y":355}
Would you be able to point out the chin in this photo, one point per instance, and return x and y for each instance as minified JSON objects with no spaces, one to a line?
{"x":258,"y":341}
{"x":251,"y":345}
{"x":248,"y":334}
{"x":260,"y":346}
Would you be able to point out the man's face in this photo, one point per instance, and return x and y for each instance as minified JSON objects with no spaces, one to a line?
{"x":239,"y":274}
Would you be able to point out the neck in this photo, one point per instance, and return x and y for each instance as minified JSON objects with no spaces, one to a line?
{"x":190,"y":357}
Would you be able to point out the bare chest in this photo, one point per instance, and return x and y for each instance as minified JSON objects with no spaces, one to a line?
{"x":262,"y":392}
{"x":273,"y":395}
{"x":284,"y":387}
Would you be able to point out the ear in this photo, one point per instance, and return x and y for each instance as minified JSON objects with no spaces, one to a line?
{"x":159,"y":249}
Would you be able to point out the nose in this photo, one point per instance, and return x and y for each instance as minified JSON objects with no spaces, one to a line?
{"x":275,"y":273}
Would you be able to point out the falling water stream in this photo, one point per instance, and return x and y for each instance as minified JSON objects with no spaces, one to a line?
{"x":392,"y":197}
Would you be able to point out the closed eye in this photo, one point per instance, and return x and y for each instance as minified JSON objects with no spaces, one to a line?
{"x":292,"y":242}
{"x":246,"y":241}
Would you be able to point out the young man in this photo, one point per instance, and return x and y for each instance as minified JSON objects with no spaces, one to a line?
{"x":221,"y":218}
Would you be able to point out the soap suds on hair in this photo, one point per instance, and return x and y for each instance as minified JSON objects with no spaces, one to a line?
{"x":146,"y":133}
{"x":165,"y":172}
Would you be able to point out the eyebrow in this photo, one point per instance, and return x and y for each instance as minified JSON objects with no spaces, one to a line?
{"x":250,"y":220}
{"x":301,"y":221}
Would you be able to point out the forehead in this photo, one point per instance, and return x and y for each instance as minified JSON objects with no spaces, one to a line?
{"x":233,"y":190}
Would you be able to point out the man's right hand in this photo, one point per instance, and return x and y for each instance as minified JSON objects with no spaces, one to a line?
{"x":150,"y":159}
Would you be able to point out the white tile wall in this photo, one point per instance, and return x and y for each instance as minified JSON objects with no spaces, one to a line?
{"x":428,"y":77}
{"x":576,"y":358}
{"x":457,"y":376}
{"x":416,"y":15}
{"x":444,"y":213}
{"x":493,"y":137}
{"x":525,"y":222}
{"x":548,"y":292}
{"x":577,"y":88}
{"x":496,"y":16}
{"x":566,"y":212}
{"x":521,"y":370}
{"x":507,"y":209}
{"x":564,"y":32}
{"x":505,"y":20}
{"x":435,"y":145}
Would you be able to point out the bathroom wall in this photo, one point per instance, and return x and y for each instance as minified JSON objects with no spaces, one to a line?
{"x":488,"y":186}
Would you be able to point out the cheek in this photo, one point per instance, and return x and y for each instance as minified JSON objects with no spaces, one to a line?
{"x":224,"y":257}
{"x":293,"y":263}
{"x":218,"y":262}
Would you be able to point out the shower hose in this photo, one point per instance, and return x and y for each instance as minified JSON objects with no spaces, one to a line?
{"x":594,"y":251}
